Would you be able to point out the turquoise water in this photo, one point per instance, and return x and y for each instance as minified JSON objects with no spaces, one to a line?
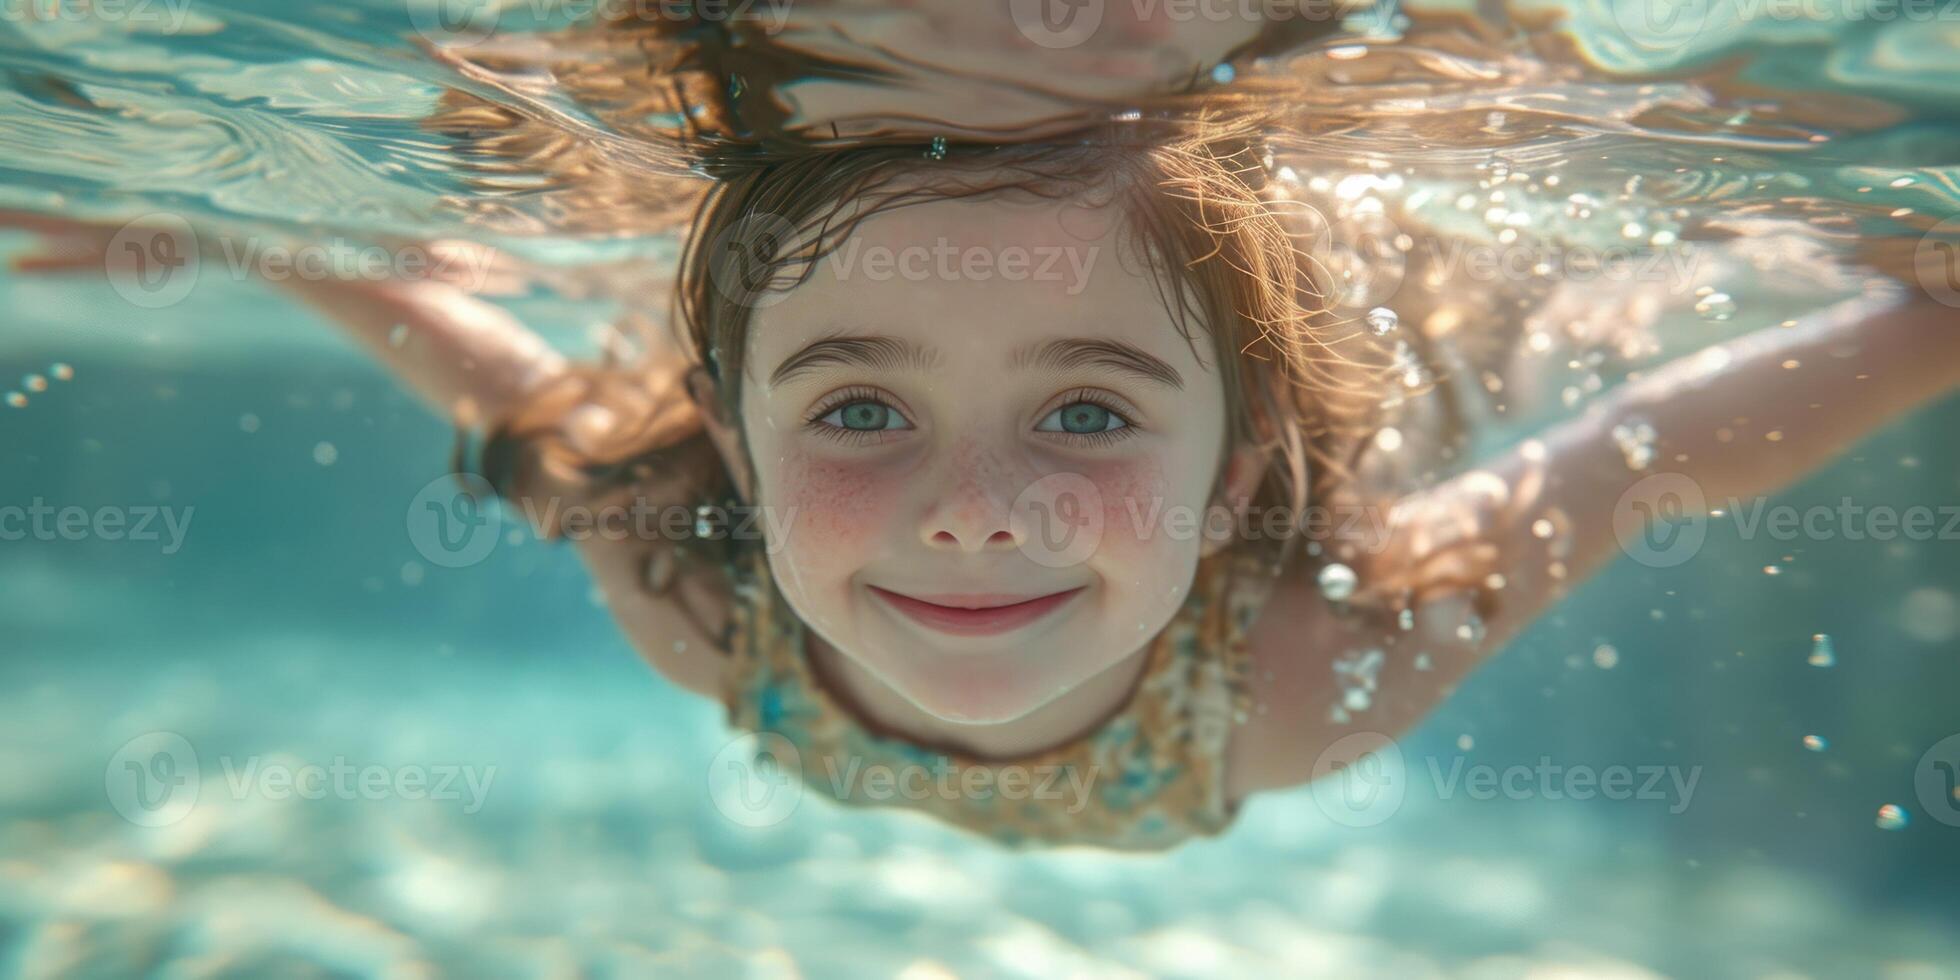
{"x":294,"y":623}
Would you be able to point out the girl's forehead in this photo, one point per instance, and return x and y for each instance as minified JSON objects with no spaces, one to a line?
{"x":978,"y":282}
{"x":995,"y":221}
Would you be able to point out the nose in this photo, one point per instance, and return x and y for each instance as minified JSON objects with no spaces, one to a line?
{"x":972,"y":510}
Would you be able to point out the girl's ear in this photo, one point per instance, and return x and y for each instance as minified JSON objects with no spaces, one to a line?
{"x":1244,"y":469}
{"x":722,"y":431}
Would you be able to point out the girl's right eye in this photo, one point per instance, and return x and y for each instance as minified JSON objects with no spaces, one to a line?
{"x":858,"y":417}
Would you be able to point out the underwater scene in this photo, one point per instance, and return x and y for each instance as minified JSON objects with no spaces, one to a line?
{"x":284,"y":693}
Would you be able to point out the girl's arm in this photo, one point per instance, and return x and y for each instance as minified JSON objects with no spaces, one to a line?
{"x":1741,"y":419}
{"x":471,"y":362}
{"x":467,"y":358}
{"x":1738,"y":420}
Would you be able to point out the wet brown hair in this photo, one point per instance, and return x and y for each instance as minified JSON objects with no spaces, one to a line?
{"x":1230,"y":258}
{"x":1301,"y":381}
{"x":1231,"y":252}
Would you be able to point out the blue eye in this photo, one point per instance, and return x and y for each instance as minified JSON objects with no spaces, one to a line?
{"x":864,"y":415}
{"x":1082,"y":418}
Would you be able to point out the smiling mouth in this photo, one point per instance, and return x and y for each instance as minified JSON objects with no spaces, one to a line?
{"x":975,"y":615}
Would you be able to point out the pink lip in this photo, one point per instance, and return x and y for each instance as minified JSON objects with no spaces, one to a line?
{"x":975,"y":614}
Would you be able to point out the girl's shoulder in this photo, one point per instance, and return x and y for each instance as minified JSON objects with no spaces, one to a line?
{"x":1365,"y":651}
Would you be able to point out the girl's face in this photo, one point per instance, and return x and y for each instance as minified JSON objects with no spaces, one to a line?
{"x":987,"y":444}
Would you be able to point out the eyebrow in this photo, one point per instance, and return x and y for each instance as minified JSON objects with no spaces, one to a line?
{"x":890,"y":353}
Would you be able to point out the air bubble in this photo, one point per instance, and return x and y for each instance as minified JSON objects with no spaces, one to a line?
{"x":1822,"y":652}
{"x":325,"y":454}
{"x":1715,"y":306}
{"x":1337,"y":581}
{"x":1606,"y":656}
{"x":1892,"y":816}
{"x":1382,"y":321}
{"x":16,"y":400}
{"x":34,"y":383}
{"x":62,"y":372}
{"x":1815,"y":743}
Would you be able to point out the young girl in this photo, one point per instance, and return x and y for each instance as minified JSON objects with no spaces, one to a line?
{"x":974,"y":572}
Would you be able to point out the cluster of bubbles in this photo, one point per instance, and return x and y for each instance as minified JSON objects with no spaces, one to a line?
{"x":35,"y":384}
{"x":1357,"y":674}
{"x":1714,"y":306}
{"x":1636,"y":441}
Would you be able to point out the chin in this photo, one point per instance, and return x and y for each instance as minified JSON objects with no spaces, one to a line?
{"x":977,"y":690}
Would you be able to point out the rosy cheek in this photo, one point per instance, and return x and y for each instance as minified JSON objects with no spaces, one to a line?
{"x":1134,"y":497}
{"x":829,"y":505}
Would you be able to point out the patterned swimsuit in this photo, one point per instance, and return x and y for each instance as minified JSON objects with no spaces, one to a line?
{"x":1151,"y":776}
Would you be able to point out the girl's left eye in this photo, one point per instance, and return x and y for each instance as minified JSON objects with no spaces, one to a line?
{"x":864,"y":415}
{"x":1083,"y":418}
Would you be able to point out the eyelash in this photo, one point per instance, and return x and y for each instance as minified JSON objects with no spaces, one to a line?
{"x":860,"y":437}
{"x":849,"y":396}
{"x":1104,"y":402}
